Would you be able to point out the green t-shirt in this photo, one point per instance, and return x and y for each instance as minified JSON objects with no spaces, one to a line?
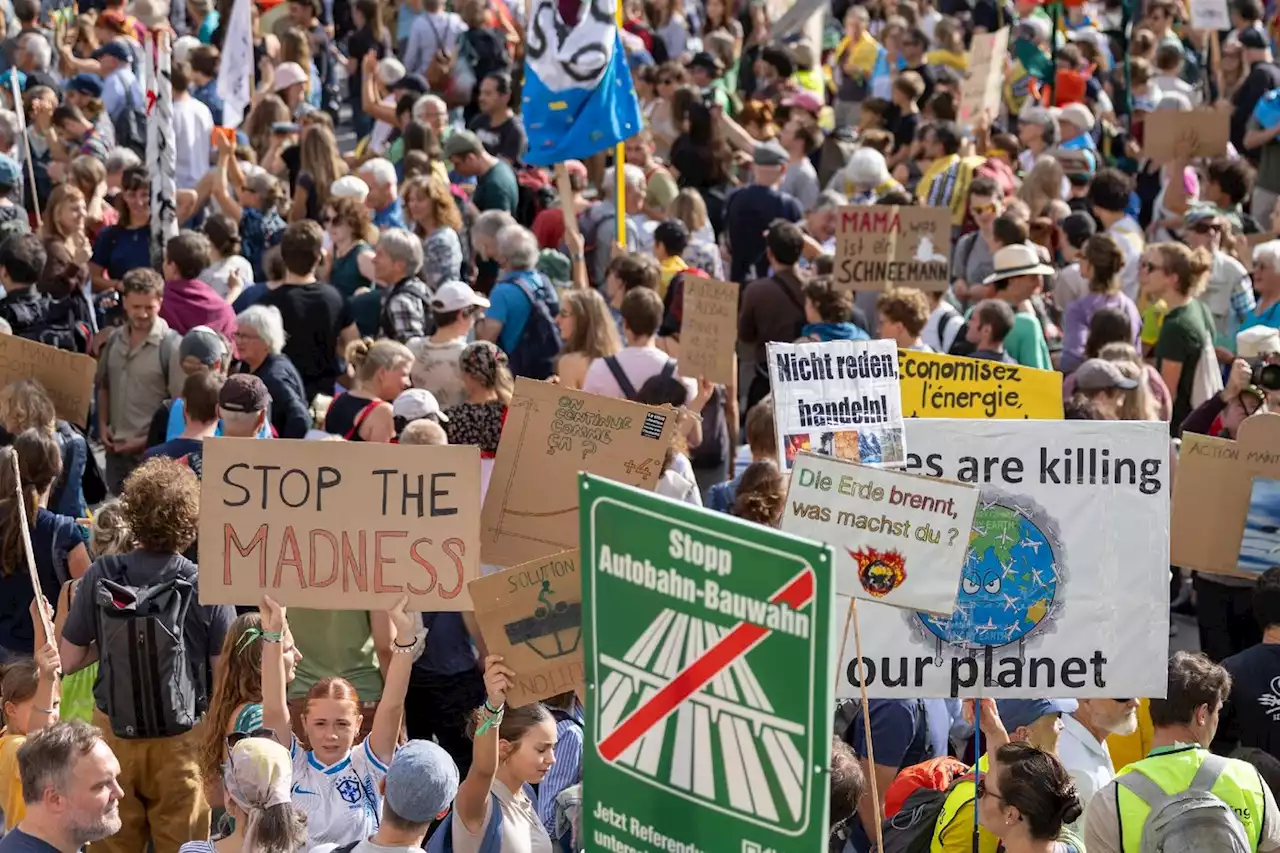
{"x":1025,"y":343}
{"x":366,"y":311}
{"x":335,"y":642}
{"x":1182,"y":339}
{"x":496,"y":189}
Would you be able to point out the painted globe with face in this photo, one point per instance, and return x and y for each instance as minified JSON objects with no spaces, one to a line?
{"x":1007,"y":586}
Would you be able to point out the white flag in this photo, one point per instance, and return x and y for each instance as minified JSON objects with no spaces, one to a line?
{"x":162,"y":156}
{"x":235,"y":75}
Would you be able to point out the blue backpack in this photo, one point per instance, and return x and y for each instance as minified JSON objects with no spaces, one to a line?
{"x":539,"y":346}
{"x":442,"y":840}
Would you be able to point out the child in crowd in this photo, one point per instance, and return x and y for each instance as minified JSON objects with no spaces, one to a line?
{"x":29,"y":692}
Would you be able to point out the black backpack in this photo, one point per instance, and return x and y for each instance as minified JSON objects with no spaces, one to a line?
{"x":147,"y":682}
{"x":540,"y":343}
{"x":56,"y":323}
{"x":624,"y":381}
{"x":131,"y":125}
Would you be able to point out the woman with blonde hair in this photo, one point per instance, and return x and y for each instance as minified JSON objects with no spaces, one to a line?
{"x":270,"y":110}
{"x":588,"y":331}
{"x":381,"y":373}
{"x":437,"y":222}
{"x":319,"y":166}
{"x":64,"y":220}
{"x":1139,"y":404}
{"x":702,"y":252}
{"x":489,"y":385}
{"x":1176,"y":275}
{"x":1042,"y":186}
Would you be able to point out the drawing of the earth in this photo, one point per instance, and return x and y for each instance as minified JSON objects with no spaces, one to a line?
{"x":1009,"y":581}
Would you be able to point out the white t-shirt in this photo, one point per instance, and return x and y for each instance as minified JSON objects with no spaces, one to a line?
{"x":436,"y":369}
{"x":1087,"y":761}
{"x":342,"y":801}
{"x":1129,"y":235}
{"x":940,"y":331}
{"x":192,"y":132}
{"x":218,"y":275}
{"x":640,"y":364}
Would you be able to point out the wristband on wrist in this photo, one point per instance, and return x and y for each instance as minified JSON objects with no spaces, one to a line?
{"x":491,"y":709}
{"x":493,"y":720}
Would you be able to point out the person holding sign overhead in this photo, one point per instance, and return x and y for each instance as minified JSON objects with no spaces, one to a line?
{"x":336,"y":782}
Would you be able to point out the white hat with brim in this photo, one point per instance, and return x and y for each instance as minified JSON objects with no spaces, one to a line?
{"x":1018,"y":259}
{"x":289,"y":74}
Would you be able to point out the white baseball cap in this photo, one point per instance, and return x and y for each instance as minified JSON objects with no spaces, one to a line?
{"x":1257,"y":342}
{"x":289,"y":74}
{"x":416,"y":404}
{"x":455,"y":296}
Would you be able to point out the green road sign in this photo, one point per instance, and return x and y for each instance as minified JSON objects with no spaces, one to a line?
{"x":710,"y":675}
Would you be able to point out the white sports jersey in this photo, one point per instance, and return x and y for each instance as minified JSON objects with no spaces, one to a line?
{"x":342,"y":801}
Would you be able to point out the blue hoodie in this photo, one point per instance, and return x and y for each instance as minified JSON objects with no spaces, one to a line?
{"x":834,"y":332}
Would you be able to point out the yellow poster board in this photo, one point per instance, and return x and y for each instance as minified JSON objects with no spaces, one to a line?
{"x":952,"y":386}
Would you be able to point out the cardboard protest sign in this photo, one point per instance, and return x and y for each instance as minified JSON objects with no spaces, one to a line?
{"x":899,"y":538}
{"x":1210,"y":15}
{"x":1065,"y":587}
{"x":552,"y":433}
{"x":532,"y":616}
{"x":980,"y":91}
{"x":951,"y":386}
{"x":67,"y":377}
{"x":352,"y":527}
{"x":837,"y":398}
{"x":880,"y":246}
{"x":1204,"y":130}
{"x":1226,"y":501}
{"x":708,"y":643}
{"x":709,"y":329}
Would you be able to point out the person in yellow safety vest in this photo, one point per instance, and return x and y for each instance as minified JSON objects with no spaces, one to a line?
{"x":1184,"y":725}
{"x":1034,"y":721}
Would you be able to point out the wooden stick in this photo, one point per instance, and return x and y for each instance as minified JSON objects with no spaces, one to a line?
{"x":1215,"y":59}
{"x":866,"y":722}
{"x":45,"y":621}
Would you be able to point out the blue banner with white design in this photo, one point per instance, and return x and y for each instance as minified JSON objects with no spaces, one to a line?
{"x":578,"y":97}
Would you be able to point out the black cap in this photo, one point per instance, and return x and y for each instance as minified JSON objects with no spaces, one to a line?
{"x":1253,"y":38}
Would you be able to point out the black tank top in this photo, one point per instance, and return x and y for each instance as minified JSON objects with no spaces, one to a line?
{"x":346,"y":413}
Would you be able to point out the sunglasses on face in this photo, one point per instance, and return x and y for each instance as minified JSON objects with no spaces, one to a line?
{"x":984,"y":791}
{"x":1206,"y":227}
{"x":1149,"y":267}
{"x":983,"y":209}
{"x":235,"y":737}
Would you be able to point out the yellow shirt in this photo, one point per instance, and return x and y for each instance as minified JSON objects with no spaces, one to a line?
{"x":945,"y":186}
{"x":1152,"y":321}
{"x":860,"y":58}
{"x":672,"y":265}
{"x":10,"y":783}
{"x":1126,"y":749}
{"x":958,"y":61}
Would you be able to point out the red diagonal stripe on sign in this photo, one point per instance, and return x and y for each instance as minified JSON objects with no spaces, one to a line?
{"x":796,"y":594}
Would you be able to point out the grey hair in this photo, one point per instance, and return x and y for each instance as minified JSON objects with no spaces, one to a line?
{"x":49,"y":756}
{"x":517,"y":248}
{"x":119,"y":159}
{"x":403,"y":247}
{"x":420,"y":106}
{"x":267,"y":321}
{"x":1268,"y":251}
{"x":9,"y":129}
{"x":38,"y":46}
{"x":489,"y":223}
{"x":380,"y":170}
{"x":827,"y":199}
{"x":634,"y":176}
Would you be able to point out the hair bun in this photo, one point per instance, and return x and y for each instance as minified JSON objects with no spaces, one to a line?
{"x":1071,"y":808}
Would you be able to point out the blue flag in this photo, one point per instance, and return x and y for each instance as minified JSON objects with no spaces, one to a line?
{"x":578,"y":97}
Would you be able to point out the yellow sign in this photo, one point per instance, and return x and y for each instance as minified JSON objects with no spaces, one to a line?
{"x":951,"y":386}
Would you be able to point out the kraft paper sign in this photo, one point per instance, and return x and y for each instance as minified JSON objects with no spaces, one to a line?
{"x":532,"y":615}
{"x":1204,"y":131}
{"x":880,"y":246}
{"x":67,"y":377}
{"x":952,"y":386}
{"x":552,"y":433}
{"x":1226,"y":501}
{"x":709,"y":330}
{"x":899,"y":539}
{"x":980,"y":90}
{"x":346,"y":527}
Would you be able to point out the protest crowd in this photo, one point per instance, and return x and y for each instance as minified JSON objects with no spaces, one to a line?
{"x":240,"y":237}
